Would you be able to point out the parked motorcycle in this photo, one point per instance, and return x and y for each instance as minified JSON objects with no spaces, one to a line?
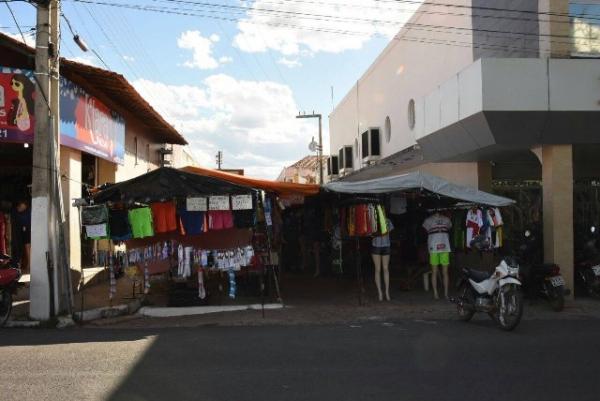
{"x":497,"y":294}
{"x":540,"y":280}
{"x":9,"y":281}
{"x":587,"y":267}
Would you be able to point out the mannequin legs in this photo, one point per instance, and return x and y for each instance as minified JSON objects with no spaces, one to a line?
{"x":382,"y":262}
{"x":385,"y":264}
{"x":377,"y":263}
{"x":446,"y":280}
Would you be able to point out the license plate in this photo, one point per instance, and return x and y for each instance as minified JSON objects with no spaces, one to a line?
{"x":596,"y":270}
{"x":557,"y":281}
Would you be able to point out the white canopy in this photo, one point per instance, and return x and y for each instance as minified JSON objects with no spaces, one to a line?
{"x":417,"y":180}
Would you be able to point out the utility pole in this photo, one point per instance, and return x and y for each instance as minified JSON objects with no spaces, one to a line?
{"x":319,"y":148}
{"x":219,"y":159}
{"x":45,"y":185}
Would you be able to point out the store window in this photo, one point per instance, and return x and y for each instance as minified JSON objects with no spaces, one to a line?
{"x":585,"y":28}
{"x":388,"y":129}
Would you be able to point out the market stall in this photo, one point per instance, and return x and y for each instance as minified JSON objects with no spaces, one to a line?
{"x":433,"y":216}
{"x":190,"y":228}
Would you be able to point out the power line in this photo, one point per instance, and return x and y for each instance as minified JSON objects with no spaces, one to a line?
{"x":75,"y":34}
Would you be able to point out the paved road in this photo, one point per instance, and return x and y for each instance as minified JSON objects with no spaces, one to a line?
{"x":403,"y":360}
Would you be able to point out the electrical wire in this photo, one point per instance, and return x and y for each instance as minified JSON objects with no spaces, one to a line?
{"x":74,"y":33}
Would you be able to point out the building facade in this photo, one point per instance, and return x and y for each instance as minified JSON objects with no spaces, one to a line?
{"x":504,"y":98}
{"x":304,"y":171}
{"x":109,"y":133}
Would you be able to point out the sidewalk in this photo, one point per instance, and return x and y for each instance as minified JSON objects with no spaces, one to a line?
{"x":335,"y":301}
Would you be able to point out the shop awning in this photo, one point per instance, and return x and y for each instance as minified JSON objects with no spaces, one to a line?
{"x":168,"y":183}
{"x":281,"y":188}
{"x":418,"y":180}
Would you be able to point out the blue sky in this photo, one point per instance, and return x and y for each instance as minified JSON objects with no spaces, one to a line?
{"x":234,"y":86}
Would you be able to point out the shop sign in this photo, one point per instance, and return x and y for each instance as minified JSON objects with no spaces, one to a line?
{"x":218,"y":203}
{"x":196,"y":204}
{"x":85,"y":122}
{"x":241,"y":202}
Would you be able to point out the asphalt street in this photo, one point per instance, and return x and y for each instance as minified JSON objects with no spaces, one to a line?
{"x":395,"y":360}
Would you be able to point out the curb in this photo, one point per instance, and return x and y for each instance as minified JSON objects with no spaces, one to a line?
{"x":150,"y":311}
{"x":108,"y":312}
{"x":22,"y":324}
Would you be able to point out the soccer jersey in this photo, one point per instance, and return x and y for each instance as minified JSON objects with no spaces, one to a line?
{"x":437,"y":227}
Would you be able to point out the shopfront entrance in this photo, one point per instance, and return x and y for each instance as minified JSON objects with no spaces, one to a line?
{"x":89,"y":169}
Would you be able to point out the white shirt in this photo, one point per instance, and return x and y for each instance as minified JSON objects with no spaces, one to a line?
{"x":384,"y":240}
{"x":438,"y":226}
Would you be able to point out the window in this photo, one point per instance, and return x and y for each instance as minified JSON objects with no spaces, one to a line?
{"x":388,"y":129}
{"x":411,"y":114}
{"x":585,"y":28}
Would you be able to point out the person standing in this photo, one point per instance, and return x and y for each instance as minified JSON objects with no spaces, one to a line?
{"x":438,"y":242}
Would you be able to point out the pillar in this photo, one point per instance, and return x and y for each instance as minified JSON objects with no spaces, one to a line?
{"x":484,"y":176}
{"x":555,"y":30}
{"x":70,"y":166}
{"x":557,"y":181}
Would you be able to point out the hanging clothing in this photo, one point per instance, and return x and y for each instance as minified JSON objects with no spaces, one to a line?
{"x":437,"y":227}
{"x":220,"y":219}
{"x":494,"y":227}
{"x":382,"y":220}
{"x":118,"y":224}
{"x":360,"y":215}
{"x":458,"y":232}
{"x":140,"y":220}
{"x":474,"y":223}
{"x":191,"y":222}
{"x":164,"y":216}
{"x":244,"y":218}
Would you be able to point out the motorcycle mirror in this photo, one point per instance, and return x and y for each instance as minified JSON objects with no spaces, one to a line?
{"x":593,"y":229}
{"x":527,"y":234}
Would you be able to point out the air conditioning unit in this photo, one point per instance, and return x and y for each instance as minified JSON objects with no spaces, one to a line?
{"x":345,"y":160}
{"x":371,"y":145}
{"x":332,"y":167}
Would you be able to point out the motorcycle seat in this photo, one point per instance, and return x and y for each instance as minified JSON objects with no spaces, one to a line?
{"x":477,"y":275}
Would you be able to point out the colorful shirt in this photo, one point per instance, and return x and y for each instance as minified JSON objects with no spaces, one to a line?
{"x":437,"y":227}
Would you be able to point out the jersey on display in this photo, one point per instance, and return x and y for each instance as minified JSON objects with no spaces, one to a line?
{"x":437,"y":227}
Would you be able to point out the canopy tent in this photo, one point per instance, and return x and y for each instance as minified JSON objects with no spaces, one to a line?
{"x":168,"y":183}
{"x":281,"y":188}
{"x":418,"y":180}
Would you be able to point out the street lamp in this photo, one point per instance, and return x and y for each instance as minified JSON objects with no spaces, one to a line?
{"x":314,"y":146}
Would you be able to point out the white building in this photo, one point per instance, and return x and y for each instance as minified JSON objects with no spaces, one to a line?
{"x":481,"y":92}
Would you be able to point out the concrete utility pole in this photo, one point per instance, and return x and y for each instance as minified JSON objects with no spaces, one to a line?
{"x":44,"y":299}
{"x":320,"y":146}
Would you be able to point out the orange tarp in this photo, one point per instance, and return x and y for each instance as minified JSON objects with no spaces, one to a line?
{"x":281,"y":188}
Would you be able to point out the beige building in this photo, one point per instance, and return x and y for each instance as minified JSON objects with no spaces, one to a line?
{"x":503,"y":98}
{"x":304,"y":171}
{"x":109,"y":133}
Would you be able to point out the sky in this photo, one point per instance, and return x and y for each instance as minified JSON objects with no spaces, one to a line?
{"x":232,"y":75}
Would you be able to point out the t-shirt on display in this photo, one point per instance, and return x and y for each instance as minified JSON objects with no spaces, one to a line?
{"x":438,"y":226}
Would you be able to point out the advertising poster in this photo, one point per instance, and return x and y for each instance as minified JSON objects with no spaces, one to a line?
{"x":86,"y":123}
{"x":17,"y":94}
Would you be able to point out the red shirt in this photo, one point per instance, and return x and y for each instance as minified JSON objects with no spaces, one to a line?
{"x":164,"y":215}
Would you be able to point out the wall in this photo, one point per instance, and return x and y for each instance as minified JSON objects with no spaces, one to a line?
{"x":70,"y":168}
{"x":410,"y":67}
{"x":505,"y":33}
{"x":144,"y":162}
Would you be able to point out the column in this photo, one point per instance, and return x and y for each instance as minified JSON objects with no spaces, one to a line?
{"x":70,"y":166}
{"x":557,"y":181}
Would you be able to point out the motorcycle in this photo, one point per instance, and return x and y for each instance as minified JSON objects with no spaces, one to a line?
{"x":587,"y":268}
{"x":9,"y":282}
{"x":541,"y":279}
{"x":497,"y":294}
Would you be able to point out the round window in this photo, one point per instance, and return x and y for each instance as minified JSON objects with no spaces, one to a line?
{"x":411,"y":114}
{"x":388,"y":129}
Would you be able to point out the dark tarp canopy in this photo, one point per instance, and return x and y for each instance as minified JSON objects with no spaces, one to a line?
{"x":168,"y":183}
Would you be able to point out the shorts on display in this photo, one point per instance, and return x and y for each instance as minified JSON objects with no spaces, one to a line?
{"x":442,"y":258}
{"x":141,"y":222}
{"x":376,"y":250}
{"x":119,"y":225}
{"x":164,"y":216}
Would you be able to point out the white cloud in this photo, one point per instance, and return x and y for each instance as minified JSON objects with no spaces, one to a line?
{"x":225,"y":60}
{"x":29,"y":37}
{"x":296,"y":28}
{"x":252,"y":122}
{"x":289,"y":63}
{"x":128,"y":58}
{"x":87,"y":60}
{"x":201,"y":48}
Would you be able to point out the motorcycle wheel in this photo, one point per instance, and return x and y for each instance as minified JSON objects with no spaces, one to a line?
{"x":5,"y":306}
{"x":465,"y":295}
{"x":509,"y":313}
{"x":556,"y":296}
